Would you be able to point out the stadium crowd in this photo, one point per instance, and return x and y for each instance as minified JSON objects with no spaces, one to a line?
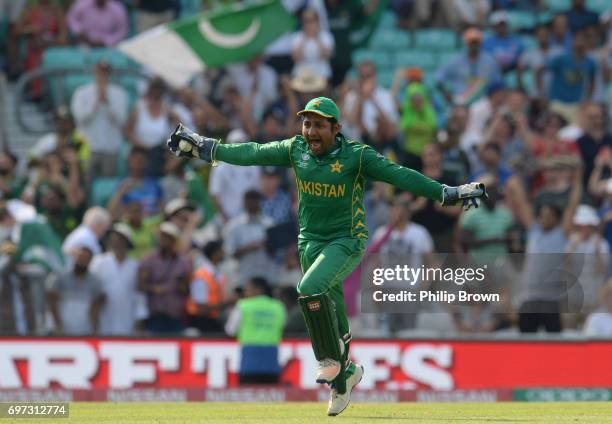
{"x":155,"y":244}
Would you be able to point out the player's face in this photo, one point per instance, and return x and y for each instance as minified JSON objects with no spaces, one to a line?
{"x":319,"y":133}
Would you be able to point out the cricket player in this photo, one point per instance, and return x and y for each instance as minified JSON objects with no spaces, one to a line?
{"x":331,"y":172}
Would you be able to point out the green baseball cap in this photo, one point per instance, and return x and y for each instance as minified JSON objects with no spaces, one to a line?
{"x":322,"y":106}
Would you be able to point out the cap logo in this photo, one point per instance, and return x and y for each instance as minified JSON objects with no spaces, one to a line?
{"x":316,"y":103}
{"x":314,"y":306}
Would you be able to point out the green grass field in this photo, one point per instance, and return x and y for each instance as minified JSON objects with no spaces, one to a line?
{"x":298,"y":413}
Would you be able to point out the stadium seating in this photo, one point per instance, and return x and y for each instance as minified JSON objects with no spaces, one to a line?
{"x":389,"y":39}
{"x":381,"y":59}
{"x":599,"y":5}
{"x":425,"y":60}
{"x":435,"y":39}
{"x":558,"y":5}
{"x":113,"y":56}
{"x":521,"y":20}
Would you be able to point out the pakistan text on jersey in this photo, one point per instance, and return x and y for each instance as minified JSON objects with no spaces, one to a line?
{"x":321,"y":189}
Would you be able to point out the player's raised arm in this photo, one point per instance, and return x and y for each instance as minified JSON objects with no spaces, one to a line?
{"x":186,"y":143}
{"x":377,"y":167}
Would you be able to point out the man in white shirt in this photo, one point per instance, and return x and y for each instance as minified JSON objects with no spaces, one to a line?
{"x":95,"y":223}
{"x":118,"y":276}
{"x":255,"y":81}
{"x":228,"y":183}
{"x":599,"y":323}
{"x":245,"y":239}
{"x":100,"y":110}
{"x":371,"y":112}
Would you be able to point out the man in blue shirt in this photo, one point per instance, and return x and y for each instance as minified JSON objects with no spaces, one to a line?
{"x":465,"y":77}
{"x":506,"y":48}
{"x":572,"y":73}
{"x":579,"y":17}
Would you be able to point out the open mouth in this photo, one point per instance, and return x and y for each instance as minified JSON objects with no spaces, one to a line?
{"x":314,"y":145}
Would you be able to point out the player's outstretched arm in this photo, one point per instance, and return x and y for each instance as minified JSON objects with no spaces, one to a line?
{"x":185,"y":143}
{"x":379,"y":168}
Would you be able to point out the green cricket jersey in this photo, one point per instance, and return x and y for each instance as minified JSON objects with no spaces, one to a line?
{"x":331,"y":187}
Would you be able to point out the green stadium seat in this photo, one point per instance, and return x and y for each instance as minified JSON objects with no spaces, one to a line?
{"x":435,"y":39}
{"x":385,"y":77}
{"x":425,"y":60}
{"x":529,"y":41}
{"x":558,"y":5}
{"x":387,"y":20}
{"x":102,"y":190}
{"x":442,"y":58}
{"x":521,"y":19}
{"x":381,"y":59}
{"x":389,"y":39}
{"x":64,"y":57}
{"x":112,"y":56}
{"x":599,"y":5}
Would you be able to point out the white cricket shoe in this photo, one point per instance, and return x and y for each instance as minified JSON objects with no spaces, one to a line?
{"x":339,"y":402}
{"x":327,"y":370}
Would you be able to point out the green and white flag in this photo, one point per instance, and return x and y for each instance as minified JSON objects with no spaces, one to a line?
{"x":39,"y":244}
{"x":179,"y":50}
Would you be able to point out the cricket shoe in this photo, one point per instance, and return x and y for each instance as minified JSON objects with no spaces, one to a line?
{"x":327,"y":370}
{"x":339,"y":402}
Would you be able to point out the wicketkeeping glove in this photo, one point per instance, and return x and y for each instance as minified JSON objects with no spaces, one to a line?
{"x":468,"y":194}
{"x":185,"y":143}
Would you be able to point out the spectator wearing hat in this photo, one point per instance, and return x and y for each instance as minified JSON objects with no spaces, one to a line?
{"x":164,"y":277}
{"x":100,"y":110}
{"x":371,"y":112}
{"x":95,"y":224}
{"x":137,"y":186}
{"x":229,"y":183}
{"x":125,"y":306}
{"x":98,"y":22}
{"x":75,"y":297}
{"x":245,"y":238}
{"x":599,"y":323}
{"x":312,"y":47}
{"x":588,"y":258}
{"x":505,"y":47}
{"x":207,"y":290}
{"x":184,"y":215}
{"x":465,"y":77}
{"x":297,"y":91}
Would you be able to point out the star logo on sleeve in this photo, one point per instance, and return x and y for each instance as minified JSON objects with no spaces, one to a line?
{"x":336,"y":166}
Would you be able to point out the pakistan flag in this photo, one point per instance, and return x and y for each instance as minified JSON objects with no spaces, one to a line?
{"x":39,"y":244}
{"x":179,"y":50}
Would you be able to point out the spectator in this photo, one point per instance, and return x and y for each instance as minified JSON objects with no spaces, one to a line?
{"x":257,"y":321}
{"x":297,"y":91}
{"x":183,"y":214}
{"x":257,"y":82}
{"x":437,"y":219}
{"x":245,"y":238}
{"x":98,"y":23}
{"x":64,"y":135}
{"x":54,"y":204}
{"x":481,"y":112}
{"x":100,"y":111}
{"x":455,"y":158}
{"x":95,"y":223}
{"x":560,"y":37}
{"x":536,"y":58}
{"x":483,"y":232}
{"x":599,"y":322}
{"x":149,"y":124}
{"x":588,"y":259}
{"x":371,"y":114}
{"x":505,"y":47}
{"x":118,"y":274}
{"x":556,"y":183}
{"x":183,"y":109}
{"x":164,"y":276}
{"x":229,"y":183}
{"x":508,"y":130}
{"x":312,"y":47}
{"x":289,"y":273}
{"x":276,"y":201}
{"x":173,"y":183}
{"x":207,"y":291}
{"x":12,"y":11}
{"x":142,"y":229}
{"x":42,"y":25}
{"x":418,"y":122}
{"x":464,"y":77}
{"x":596,"y":139}
{"x":465,"y":13}
{"x":579,"y":17}
{"x":376,"y":203}
{"x":11,"y":184}
{"x":572,"y":76}
{"x":544,"y":282}
{"x":75,"y":297}
{"x":137,"y":186}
